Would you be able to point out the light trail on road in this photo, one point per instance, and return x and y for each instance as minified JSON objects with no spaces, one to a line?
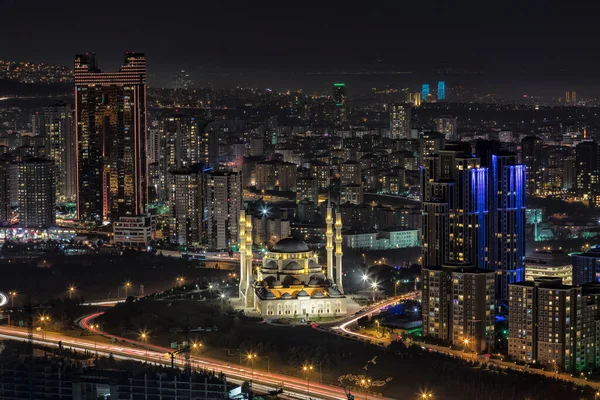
{"x":293,"y":386}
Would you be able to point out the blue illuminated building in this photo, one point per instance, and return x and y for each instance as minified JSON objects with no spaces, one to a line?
{"x":479,"y":208}
{"x":586,"y":266}
{"x":507,"y":225}
{"x":441,"y":90}
{"x":425,"y":92}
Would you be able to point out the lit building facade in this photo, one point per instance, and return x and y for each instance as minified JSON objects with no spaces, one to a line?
{"x":134,"y":232}
{"x":110,"y":121}
{"x":37,"y":193}
{"x":186,"y":204}
{"x":549,"y":263}
{"x":223,"y":204}
{"x":400,"y":120}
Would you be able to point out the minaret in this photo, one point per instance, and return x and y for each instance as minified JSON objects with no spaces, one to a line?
{"x":329,"y":247}
{"x":338,"y":251}
{"x":242,"y":250}
{"x":249,"y":276}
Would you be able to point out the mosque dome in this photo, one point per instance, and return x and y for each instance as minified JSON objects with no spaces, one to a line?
{"x":277,"y":284}
{"x":270,"y":295}
{"x":286,"y":296}
{"x":313,"y":265}
{"x":271,"y":265}
{"x":318,"y":295}
{"x":314,"y":282}
{"x":289,"y":245}
{"x":334,"y":293}
{"x":293,"y":266}
{"x":302,"y":293}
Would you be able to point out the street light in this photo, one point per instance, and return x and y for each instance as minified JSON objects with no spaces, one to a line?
{"x":366,"y":384}
{"x":127,"y":286}
{"x":71,"y":290}
{"x":396,"y":288}
{"x":43,"y":320}
{"x":596,"y":395}
{"x":251,"y":357}
{"x":12,"y":294}
{"x":180,"y":280}
{"x":144,"y":337}
{"x":222,"y":301}
{"x":374,"y":286}
{"x":308,"y":369}
{"x":426,"y":395}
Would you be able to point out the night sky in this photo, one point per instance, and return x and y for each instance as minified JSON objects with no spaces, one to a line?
{"x":525,"y":43}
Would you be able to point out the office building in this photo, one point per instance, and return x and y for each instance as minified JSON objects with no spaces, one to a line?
{"x":399,"y":120}
{"x":571,"y":97}
{"x":425,"y":92}
{"x":414,"y":99}
{"x":223,"y":204}
{"x":110,"y":121}
{"x":545,"y":324}
{"x":134,"y":232}
{"x":186,"y":205}
{"x":37,"y":193}
{"x":441,"y":90}
{"x":458,"y":306}
{"x":59,"y":138}
{"x":448,"y":127}
{"x":586,"y":266}
{"x":549,"y":263}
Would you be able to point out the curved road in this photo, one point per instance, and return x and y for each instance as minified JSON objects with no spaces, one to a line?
{"x":131,"y":349}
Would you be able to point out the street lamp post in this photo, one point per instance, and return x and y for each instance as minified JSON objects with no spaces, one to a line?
{"x":396,"y":288}
{"x":71,"y":290}
{"x":374,"y":287}
{"x":308,"y":369}
{"x":127,"y":285}
{"x":426,"y":395}
{"x":222,"y":301}
{"x":366,"y":384}
{"x":12,"y":298}
{"x":144,"y":337}
{"x":251,"y":357}
{"x":43,"y":320}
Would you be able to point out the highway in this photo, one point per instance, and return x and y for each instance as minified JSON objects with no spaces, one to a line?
{"x":294,"y":387}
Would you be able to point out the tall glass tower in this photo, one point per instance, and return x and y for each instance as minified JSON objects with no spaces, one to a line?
{"x":110,"y":121}
{"x":441,"y":90}
{"x":424,"y":92}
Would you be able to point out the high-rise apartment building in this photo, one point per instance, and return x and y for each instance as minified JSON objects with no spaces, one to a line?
{"x":37,"y":193}
{"x":110,"y":121}
{"x":276,"y":175}
{"x":414,"y":99}
{"x":447,"y":126}
{"x":425,"y":92}
{"x":571,"y":97}
{"x":506,"y":228}
{"x":586,"y":168}
{"x":458,"y":306}
{"x":532,"y":149}
{"x":399,"y":120}
{"x":186,"y":203}
{"x":546,"y":324}
{"x":455,"y":209}
{"x":223,"y":204}
{"x":586,"y":266}
{"x":5,"y":190}
{"x":59,"y":139}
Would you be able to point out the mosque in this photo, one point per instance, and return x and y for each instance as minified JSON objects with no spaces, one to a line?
{"x":290,"y":283}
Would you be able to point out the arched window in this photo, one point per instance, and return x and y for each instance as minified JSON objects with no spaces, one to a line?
{"x":279,"y":308}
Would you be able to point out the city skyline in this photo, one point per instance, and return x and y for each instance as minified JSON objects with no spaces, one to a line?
{"x":266,"y":45}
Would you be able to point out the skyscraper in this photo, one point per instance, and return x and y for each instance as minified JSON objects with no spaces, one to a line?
{"x":441,"y":90}
{"x":532,"y":149}
{"x":424,"y":92}
{"x":223,"y":204}
{"x":448,"y":126}
{"x":186,"y":204}
{"x":5,"y":189}
{"x":37,"y":193}
{"x":506,"y":233}
{"x":455,"y":209}
{"x":399,"y":121}
{"x":586,"y":167}
{"x":110,"y":120}
{"x":340,"y":100}
{"x":59,"y":138}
